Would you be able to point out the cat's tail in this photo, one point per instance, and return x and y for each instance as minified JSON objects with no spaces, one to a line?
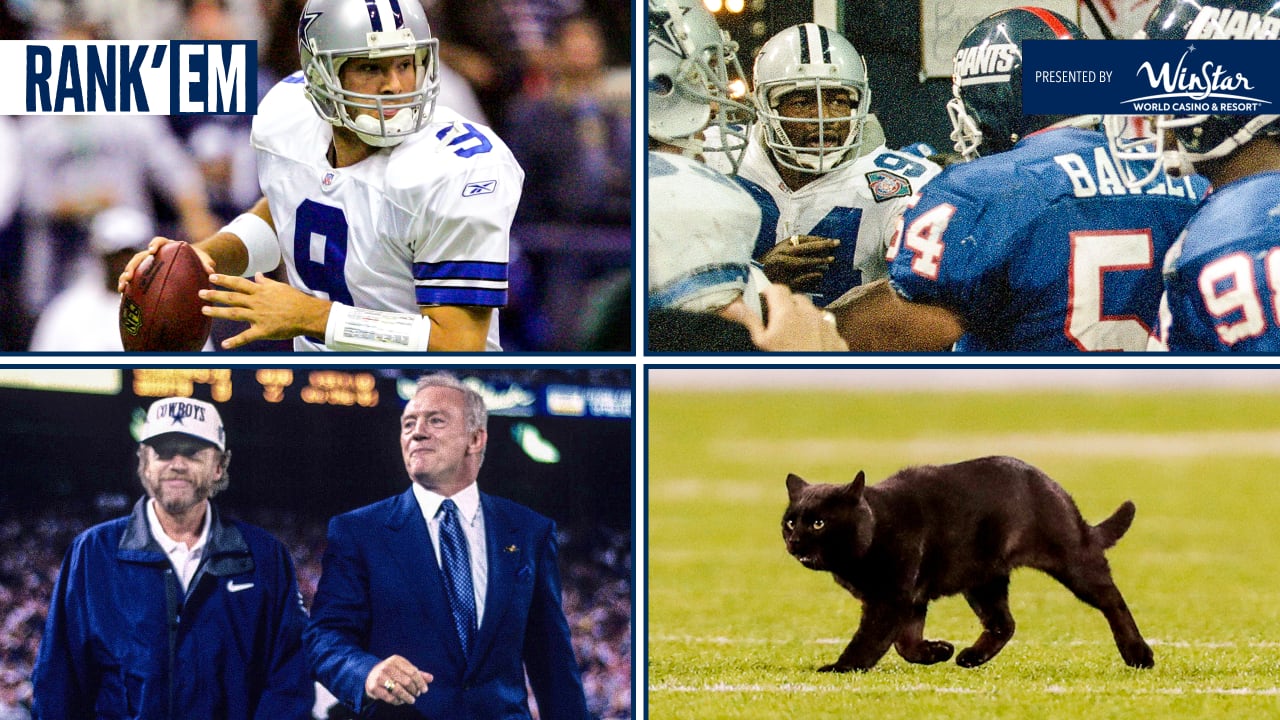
{"x":1109,"y":531}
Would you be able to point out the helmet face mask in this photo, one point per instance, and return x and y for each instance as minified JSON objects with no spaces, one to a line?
{"x":986,"y":82}
{"x":801,"y":74}
{"x":691,"y":62}
{"x":1179,"y":144}
{"x":332,"y":33}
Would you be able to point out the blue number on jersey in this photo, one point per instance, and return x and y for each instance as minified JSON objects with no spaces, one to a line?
{"x":321,"y":228}
{"x":899,"y":164}
{"x":482,"y":144}
{"x":841,"y":224}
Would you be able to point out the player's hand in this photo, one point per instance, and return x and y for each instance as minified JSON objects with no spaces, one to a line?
{"x":799,"y":261}
{"x":152,"y":248}
{"x":396,"y":681}
{"x":795,"y":324}
{"x":274,"y":310}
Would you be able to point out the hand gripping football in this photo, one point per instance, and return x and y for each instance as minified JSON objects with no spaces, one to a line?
{"x":160,"y":310}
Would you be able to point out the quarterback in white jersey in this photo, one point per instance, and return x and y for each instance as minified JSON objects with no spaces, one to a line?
{"x":391,"y":216}
{"x":426,"y":224}
{"x":830,"y":192}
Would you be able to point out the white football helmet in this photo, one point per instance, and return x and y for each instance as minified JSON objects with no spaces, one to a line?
{"x":691,"y":61}
{"x":810,"y":57}
{"x":331,"y":32}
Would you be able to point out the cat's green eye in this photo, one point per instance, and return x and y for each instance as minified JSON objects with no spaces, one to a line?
{"x":791,"y":524}
{"x":817,"y":524}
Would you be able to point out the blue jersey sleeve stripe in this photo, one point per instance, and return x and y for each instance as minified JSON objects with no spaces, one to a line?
{"x":460,"y":270}
{"x":461,"y":296}
{"x":712,"y":276}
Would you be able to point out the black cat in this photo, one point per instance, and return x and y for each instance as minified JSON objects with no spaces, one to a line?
{"x":937,"y":530}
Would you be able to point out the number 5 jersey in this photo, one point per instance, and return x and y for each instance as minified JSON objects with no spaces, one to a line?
{"x":1042,"y":248}
{"x":426,"y":222}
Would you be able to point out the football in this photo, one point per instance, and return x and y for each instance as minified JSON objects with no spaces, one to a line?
{"x":160,"y":310}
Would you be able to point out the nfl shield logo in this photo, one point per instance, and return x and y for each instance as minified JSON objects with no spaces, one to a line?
{"x":886,"y":186}
{"x":130,"y":316}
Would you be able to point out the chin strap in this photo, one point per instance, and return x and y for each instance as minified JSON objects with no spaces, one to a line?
{"x":1084,"y":122}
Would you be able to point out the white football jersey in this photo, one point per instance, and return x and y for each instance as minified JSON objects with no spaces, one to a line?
{"x":426,"y":222}
{"x":858,"y":203}
{"x":702,"y":227}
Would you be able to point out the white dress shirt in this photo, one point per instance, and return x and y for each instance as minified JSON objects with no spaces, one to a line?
{"x":468,"y":502}
{"x":186,"y":560}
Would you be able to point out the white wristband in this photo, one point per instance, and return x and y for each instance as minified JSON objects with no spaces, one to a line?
{"x":352,"y":328}
{"x":259,"y":240}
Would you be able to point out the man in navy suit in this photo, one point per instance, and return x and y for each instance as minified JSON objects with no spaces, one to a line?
{"x":396,"y":613}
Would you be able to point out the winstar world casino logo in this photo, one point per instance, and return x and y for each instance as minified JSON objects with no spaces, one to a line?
{"x":1184,"y":82}
{"x":1193,"y":82}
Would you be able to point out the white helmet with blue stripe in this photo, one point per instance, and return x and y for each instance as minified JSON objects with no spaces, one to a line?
{"x":330,"y":32}
{"x":820,"y":62}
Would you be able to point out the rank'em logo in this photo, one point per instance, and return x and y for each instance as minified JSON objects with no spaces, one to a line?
{"x":129,"y":77}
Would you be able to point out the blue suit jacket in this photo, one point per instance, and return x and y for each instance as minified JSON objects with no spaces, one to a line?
{"x":382,"y":594}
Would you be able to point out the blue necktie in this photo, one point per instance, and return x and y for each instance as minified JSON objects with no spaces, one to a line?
{"x":456,"y":563}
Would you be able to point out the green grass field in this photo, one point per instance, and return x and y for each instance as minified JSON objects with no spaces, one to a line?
{"x":736,"y":627}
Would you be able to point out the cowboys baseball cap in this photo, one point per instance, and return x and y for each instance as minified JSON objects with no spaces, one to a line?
{"x":188,"y":416}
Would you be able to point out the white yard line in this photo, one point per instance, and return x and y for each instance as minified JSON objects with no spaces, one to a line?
{"x":938,"y":448}
{"x":800,"y":688}
{"x":1155,"y":642}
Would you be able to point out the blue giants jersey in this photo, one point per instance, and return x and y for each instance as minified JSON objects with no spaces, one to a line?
{"x":1222,"y":279}
{"x":1042,"y":248}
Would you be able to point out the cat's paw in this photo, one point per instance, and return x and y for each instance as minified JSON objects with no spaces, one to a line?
{"x":835,"y":668}
{"x":927,"y":652}
{"x":972,"y":657}
{"x":936,"y":651}
{"x":1139,"y":655}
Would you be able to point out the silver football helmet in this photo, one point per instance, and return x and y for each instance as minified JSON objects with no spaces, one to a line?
{"x":812,"y":59}
{"x":691,"y":62}
{"x":331,"y":32}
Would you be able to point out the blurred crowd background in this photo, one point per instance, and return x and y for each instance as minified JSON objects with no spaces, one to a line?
{"x":311,"y":443}
{"x":552,"y":77}
{"x":596,"y":574}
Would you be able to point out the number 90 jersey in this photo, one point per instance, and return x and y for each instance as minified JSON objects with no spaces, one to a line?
{"x":426,"y":222}
{"x":1042,"y":248}
{"x":1222,"y":279}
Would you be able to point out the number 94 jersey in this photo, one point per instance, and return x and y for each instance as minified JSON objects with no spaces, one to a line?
{"x":858,"y":204}
{"x":1042,"y":248}
{"x":1222,"y":279}
{"x":426,"y":222}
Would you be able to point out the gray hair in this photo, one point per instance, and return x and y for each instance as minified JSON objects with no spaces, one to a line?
{"x":474,"y":410}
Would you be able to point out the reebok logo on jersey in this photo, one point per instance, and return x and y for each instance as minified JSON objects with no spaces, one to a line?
{"x":233,"y":586}
{"x":479,"y":188}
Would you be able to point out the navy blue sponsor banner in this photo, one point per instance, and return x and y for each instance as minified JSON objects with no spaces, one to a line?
{"x":129,"y":78}
{"x":1150,"y":77}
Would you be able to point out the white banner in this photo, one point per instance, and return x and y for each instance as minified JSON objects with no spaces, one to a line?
{"x":128,"y":78}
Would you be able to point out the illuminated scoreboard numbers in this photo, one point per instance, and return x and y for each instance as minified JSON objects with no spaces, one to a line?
{"x":333,"y":387}
{"x":149,"y":382}
{"x":273,"y":382}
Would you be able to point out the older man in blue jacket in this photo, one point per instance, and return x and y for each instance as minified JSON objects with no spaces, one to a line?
{"x":175,"y":612}
{"x":436,"y":602}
